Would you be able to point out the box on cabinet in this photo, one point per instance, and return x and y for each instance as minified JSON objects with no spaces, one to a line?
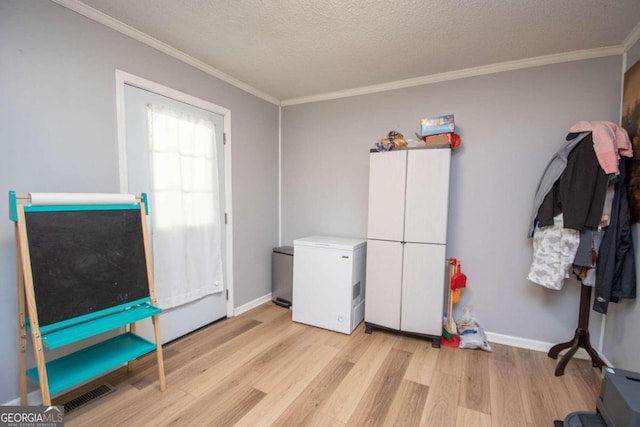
{"x":438,"y":124}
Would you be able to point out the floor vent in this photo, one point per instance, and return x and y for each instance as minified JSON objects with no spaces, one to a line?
{"x":89,"y":396}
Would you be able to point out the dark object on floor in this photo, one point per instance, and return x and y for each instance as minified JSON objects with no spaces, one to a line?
{"x":619,"y":400}
{"x":581,"y":419}
{"x":618,"y":404}
{"x":90,"y":396}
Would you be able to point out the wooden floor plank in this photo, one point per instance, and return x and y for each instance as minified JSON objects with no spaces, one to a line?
{"x":410,"y":343}
{"x":407,"y":405}
{"x":233,"y":414}
{"x":130,"y":406}
{"x":230,"y":349}
{"x":502,"y":353}
{"x":267,"y":374}
{"x":357,"y":344}
{"x":537,"y":398}
{"x":374,"y":405}
{"x":422,"y":364}
{"x":507,"y":409}
{"x":306,"y":367}
{"x":474,"y":386}
{"x":303,"y":409}
{"x":450,"y":361}
{"x":219,"y":409}
{"x":318,"y":419}
{"x":469,"y":418}
{"x":195,"y":345}
{"x":586,"y":383}
{"x":268,"y":362}
{"x":340,"y":340}
{"x":569,"y":395}
{"x":348,"y":394}
{"x":217,"y":365}
{"x":441,"y":407}
{"x":268,"y":312}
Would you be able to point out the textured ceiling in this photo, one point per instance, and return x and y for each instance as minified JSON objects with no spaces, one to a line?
{"x":296,"y":48}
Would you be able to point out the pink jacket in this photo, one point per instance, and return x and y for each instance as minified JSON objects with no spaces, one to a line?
{"x":609,"y":142}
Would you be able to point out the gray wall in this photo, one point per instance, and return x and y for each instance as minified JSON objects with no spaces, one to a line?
{"x":511,"y":124}
{"x":58,"y":121}
{"x":621,"y":344}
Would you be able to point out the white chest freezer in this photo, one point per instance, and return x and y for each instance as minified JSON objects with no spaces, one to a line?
{"x":329,"y":282}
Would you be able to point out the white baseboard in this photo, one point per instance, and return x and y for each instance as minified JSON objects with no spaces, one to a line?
{"x":252,"y":304}
{"x":535,"y":345}
{"x":33,"y":398}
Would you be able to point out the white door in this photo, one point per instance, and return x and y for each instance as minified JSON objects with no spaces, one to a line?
{"x":384,"y":283}
{"x":387,"y":172}
{"x":427,"y":195}
{"x":423,"y":284}
{"x":181,"y":320}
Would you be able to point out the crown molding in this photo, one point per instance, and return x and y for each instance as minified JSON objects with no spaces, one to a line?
{"x":632,"y":38}
{"x":462,"y":74}
{"x":96,"y":15}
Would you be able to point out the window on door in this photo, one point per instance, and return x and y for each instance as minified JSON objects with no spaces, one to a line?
{"x":185,"y":200}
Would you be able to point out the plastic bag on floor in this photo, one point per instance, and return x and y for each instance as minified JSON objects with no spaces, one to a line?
{"x":471,"y":334}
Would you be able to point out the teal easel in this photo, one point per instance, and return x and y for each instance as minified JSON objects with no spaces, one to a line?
{"x":68,"y":371}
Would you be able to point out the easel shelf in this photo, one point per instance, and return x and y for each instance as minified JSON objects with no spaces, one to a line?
{"x":60,"y":337}
{"x":89,"y":362}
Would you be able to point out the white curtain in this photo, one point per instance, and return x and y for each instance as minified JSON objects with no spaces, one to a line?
{"x":185,"y":215}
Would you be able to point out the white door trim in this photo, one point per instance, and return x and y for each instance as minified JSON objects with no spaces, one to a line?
{"x":123,"y":78}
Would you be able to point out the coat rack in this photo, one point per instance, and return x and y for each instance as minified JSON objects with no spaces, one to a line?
{"x":580,"y":339}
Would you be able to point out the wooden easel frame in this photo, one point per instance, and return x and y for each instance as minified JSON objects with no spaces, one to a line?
{"x":27,"y":307}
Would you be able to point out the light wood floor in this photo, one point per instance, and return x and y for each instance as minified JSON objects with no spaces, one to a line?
{"x":262,"y":369}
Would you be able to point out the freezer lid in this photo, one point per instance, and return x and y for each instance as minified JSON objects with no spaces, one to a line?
{"x":332,"y":242}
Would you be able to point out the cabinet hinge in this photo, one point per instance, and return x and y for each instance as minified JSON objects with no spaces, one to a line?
{"x":225,"y":217}
{"x":227,"y":291}
{"x":224,"y":139}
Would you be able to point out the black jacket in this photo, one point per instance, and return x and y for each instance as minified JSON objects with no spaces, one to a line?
{"x":580,"y":191}
{"x":615,"y":267}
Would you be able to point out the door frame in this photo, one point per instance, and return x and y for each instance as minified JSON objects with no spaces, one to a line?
{"x":123,"y":78}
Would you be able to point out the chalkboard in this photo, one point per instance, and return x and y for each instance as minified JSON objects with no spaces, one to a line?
{"x":85,"y":261}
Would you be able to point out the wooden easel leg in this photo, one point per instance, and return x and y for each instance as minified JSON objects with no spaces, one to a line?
{"x":580,"y":339}
{"x":152,"y":293}
{"x":131,"y":363}
{"x":30,"y":301}
{"x":156,"y":327}
{"x":22,"y":332}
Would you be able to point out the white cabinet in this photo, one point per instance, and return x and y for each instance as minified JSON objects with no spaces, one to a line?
{"x":423,"y":286}
{"x":407,"y":233}
{"x":384,"y":283}
{"x":427,"y":196}
{"x":387,"y":180}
